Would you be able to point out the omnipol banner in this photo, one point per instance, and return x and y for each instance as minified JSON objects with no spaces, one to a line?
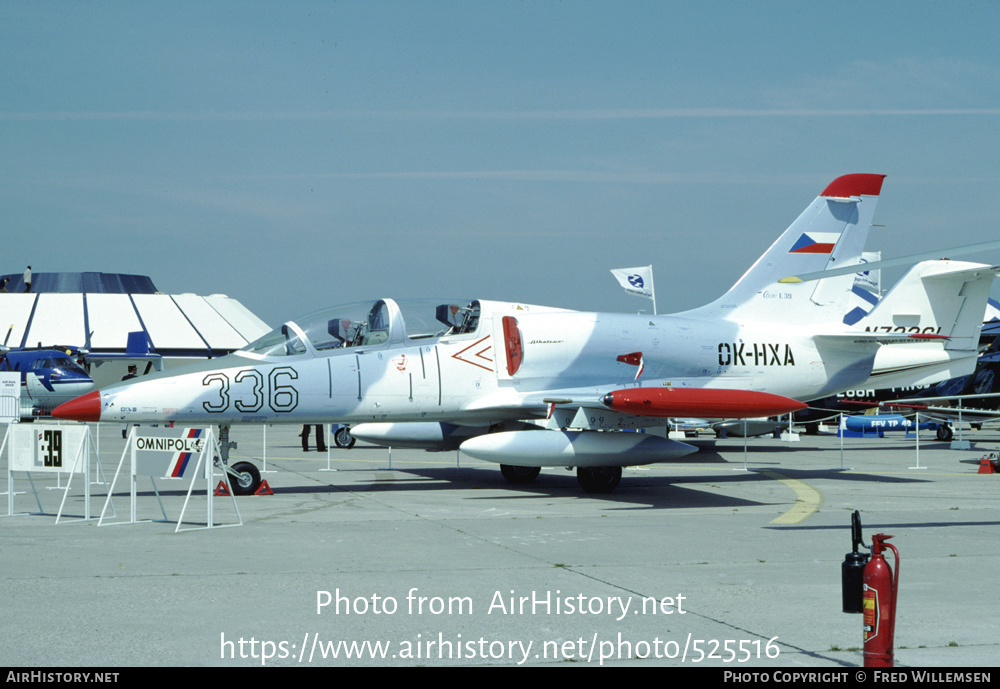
{"x":166,"y":452}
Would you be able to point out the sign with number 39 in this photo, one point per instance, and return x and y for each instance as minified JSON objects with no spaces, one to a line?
{"x":45,"y":447}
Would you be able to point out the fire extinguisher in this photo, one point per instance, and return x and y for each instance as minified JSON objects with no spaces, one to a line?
{"x":879,"y":604}
{"x":869,"y":587}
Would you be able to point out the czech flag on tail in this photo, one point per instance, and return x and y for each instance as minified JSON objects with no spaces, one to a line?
{"x":815,"y":243}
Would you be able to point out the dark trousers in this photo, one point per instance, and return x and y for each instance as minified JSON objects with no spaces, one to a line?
{"x":320,"y":441}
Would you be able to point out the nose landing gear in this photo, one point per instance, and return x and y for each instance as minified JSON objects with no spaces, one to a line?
{"x":244,"y":476}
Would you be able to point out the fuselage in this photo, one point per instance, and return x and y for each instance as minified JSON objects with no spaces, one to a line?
{"x":49,"y":377}
{"x":495,"y":362}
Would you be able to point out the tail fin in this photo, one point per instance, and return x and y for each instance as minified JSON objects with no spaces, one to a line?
{"x":945,"y":298}
{"x":138,"y":344}
{"x":936,"y":303}
{"x":830,"y":232}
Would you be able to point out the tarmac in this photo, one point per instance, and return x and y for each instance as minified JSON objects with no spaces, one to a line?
{"x":730,"y":558}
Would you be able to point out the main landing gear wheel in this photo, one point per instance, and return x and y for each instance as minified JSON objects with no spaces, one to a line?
{"x":599,"y":479}
{"x":944,"y":432}
{"x":244,"y":478}
{"x":516,"y":474}
{"x":343,"y":438}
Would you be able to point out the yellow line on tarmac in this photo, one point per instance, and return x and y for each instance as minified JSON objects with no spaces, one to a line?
{"x":807,"y":499}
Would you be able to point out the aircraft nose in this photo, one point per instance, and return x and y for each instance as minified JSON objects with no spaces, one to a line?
{"x":84,"y":408}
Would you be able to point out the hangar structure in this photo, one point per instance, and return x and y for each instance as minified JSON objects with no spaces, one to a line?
{"x":65,"y":309}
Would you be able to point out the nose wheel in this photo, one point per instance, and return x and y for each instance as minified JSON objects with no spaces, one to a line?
{"x":343,"y":438}
{"x":244,"y":478}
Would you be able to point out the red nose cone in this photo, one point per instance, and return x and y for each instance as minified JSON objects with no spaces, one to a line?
{"x":84,"y":408}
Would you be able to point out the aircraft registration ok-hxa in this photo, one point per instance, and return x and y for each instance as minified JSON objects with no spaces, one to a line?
{"x":530,"y":386}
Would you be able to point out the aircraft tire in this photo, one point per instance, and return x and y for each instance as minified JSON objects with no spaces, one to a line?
{"x":247,"y":479}
{"x":343,"y":438}
{"x":944,"y":432}
{"x":599,"y":479}
{"x":516,"y":474}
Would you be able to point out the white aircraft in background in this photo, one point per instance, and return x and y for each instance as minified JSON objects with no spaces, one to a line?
{"x":530,"y":386}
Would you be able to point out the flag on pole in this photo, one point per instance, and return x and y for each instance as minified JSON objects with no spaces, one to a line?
{"x":870,"y":280}
{"x":638,"y":281}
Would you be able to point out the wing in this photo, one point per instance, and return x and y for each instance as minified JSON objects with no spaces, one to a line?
{"x":639,"y":407}
{"x":137,"y":351}
{"x":941,"y":412}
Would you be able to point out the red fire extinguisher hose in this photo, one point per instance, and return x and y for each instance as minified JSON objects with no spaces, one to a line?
{"x":895,"y":590}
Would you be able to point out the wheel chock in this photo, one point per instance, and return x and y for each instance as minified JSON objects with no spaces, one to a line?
{"x":222,"y":489}
{"x":264,"y":489}
{"x":986,"y":466}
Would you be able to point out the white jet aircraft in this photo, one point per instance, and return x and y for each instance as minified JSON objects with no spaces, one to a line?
{"x":530,"y":386}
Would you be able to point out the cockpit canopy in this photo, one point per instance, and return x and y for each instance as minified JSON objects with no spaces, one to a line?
{"x":40,"y":361}
{"x":59,"y":363}
{"x":368,"y":325}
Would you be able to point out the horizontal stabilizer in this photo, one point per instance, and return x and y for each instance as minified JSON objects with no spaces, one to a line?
{"x":137,"y":351}
{"x":892,"y":262}
{"x":947,"y":414}
{"x":935,"y":300}
{"x":880,"y":338}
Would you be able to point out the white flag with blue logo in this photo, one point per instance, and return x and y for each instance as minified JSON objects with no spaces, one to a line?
{"x":636,"y":280}
{"x":870,"y":280}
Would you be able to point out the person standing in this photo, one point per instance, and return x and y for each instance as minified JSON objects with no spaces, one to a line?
{"x":320,"y":440}
{"x":133,"y":372}
{"x":27,"y":279}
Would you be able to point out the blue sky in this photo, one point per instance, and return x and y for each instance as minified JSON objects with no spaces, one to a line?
{"x":299,"y":155}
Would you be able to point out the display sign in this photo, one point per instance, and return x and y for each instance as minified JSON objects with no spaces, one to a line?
{"x":166,"y":452}
{"x":46,"y":447}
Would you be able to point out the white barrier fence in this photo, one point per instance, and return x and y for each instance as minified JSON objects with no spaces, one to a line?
{"x":49,"y":449}
{"x":165,"y":453}
{"x":173,"y":453}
